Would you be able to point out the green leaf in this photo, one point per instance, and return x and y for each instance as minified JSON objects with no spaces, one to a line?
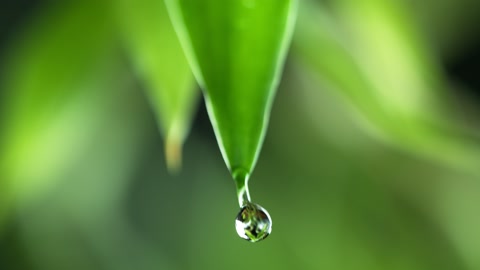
{"x":237,"y":49}
{"x":159,"y":61}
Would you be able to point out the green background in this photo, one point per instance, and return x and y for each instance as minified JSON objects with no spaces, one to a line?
{"x":349,"y":184}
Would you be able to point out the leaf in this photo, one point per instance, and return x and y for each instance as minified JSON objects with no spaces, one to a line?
{"x":158,"y":57}
{"x":237,"y":50}
{"x":385,"y":71}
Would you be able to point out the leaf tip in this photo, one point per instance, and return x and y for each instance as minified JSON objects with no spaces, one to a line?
{"x":173,"y":154}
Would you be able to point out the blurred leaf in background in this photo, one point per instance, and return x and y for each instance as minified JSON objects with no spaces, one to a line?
{"x":158,"y":57}
{"x":370,"y":161}
{"x":386,"y":72}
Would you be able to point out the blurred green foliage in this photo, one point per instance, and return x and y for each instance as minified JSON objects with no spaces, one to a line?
{"x":371,"y":160}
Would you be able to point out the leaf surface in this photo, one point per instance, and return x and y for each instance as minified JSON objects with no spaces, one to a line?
{"x":237,"y":50}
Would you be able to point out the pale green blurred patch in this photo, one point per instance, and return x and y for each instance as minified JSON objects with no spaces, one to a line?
{"x":386,"y":72}
{"x":55,"y":84}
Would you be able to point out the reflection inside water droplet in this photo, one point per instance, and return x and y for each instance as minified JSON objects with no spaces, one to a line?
{"x":253,"y":223}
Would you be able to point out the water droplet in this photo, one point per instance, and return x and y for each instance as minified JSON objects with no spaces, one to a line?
{"x":253,"y":223}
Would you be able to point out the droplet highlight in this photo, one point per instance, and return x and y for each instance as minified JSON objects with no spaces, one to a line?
{"x":253,"y":223}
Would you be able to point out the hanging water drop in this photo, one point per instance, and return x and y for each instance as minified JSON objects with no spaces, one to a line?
{"x":253,"y":222}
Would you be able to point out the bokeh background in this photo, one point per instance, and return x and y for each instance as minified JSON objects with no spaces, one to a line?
{"x":371,"y":161}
